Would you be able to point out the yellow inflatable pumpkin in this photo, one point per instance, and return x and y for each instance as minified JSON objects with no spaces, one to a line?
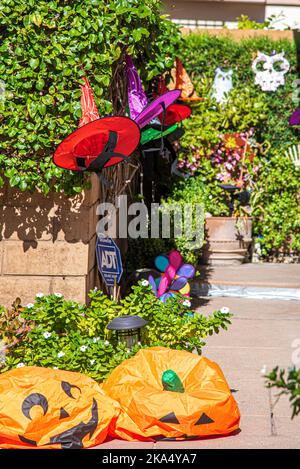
{"x":174,"y":394}
{"x":42,"y":407}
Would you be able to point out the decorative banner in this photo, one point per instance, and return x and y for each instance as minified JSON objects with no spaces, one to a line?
{"x":109,"y":261}
{"x":266,"y":76}
{"x":222,"y":85}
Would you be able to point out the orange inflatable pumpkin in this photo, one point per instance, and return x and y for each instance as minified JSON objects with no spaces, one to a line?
{"x":173,"y":394}
{"x":42,"y":407}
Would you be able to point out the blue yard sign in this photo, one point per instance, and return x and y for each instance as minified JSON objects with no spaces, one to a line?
{"x":109,"y":260}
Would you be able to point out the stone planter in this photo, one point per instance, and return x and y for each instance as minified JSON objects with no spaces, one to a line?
{"x":228,"y":240}
{"x":47,"y":244}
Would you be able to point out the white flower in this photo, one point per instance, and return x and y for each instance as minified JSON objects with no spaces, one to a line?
{"x":263,"y":371}
{"x":96,"y":339}
{"x":47,"y":335}
{"x":39,"y":295}
{"x":58,"y":295}
{"x":187,"y":303}
{"x":61,"y":354}
{"x":106,"y":342}
{"x":145,"y":283}
{"x":20,"y":365}
{"x":55,"y":368}
{"x":139,"y":343}
{"x":83,"y":348}
{"x":92,"y":361}
{"x":30,"y":305}
{"x":95,"y":288}
{"x":225,"y":310}
{"x":128,"y":350}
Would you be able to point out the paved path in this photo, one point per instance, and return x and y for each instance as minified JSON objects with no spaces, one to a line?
{"x":260,"y":275}
{"x":262,"y":333}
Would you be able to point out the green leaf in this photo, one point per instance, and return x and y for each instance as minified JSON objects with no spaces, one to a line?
{"x":34,"y":63}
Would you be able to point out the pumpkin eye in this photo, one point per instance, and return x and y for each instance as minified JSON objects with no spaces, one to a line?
{"x":67,"y":388}
{"x":33,"y":400}
{"x":63,"y":414}
{"x":170,"y":418}
{"x":204,"y":419}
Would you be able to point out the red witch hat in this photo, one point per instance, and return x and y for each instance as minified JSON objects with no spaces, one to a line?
{"x":97,"y":143}
{"x":174,"y":114}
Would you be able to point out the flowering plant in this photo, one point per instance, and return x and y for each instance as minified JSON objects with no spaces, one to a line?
{"x":236,"y":159}
{"x":70,"y":336}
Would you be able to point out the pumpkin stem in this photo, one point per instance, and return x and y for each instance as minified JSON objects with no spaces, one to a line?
{"x":171,"y":381}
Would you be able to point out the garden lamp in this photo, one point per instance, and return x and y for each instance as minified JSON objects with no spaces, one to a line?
{"x":128,"y":329}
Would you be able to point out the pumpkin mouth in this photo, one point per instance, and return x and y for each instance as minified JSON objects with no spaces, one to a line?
{"x":171,"y":382}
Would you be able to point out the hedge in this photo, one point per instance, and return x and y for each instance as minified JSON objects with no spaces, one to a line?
{"x":275,"y":206}
{"x":45,"y":49}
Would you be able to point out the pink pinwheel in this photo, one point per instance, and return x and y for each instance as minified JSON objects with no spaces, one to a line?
{"x":175,"y":276}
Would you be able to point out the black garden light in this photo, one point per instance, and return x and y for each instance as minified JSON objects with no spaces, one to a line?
{"x":128,"y":329}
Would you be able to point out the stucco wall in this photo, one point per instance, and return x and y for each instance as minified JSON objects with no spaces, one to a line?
{"x":47,"y":244}
{"x":218,"y":13}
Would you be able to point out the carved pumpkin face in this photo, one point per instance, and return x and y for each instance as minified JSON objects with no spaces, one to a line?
{"x":52,"y":408}
{"x":171,"y":394}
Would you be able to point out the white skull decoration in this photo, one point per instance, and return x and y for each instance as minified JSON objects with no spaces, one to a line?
{"x":268,"y":78}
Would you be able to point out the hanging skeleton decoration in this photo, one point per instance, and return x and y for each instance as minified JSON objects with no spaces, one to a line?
{"x":267,"y":76}
{"x":222,"y":85}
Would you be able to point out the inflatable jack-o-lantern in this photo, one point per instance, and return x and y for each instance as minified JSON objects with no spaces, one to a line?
{"x":171,"y":394}
{"x":41,"y":407}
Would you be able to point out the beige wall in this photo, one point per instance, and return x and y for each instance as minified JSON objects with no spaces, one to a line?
{"x":226,"y":12}
{"x":47,"y":244}
{"x":216,"y":11}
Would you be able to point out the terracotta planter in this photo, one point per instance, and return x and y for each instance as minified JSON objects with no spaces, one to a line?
{"x":228,"y":240}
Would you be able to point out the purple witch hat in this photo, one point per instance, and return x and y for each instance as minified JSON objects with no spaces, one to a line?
{"x":137,"y":99}
{"x":140,"y":110}
{"x":295,"y":118}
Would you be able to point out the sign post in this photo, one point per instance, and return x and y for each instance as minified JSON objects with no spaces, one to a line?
{"x":109,"y":262}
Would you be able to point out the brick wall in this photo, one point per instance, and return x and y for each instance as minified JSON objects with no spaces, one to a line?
{"x":47,"y":244}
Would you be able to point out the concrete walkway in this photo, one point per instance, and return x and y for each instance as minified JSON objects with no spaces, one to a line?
{"x":260,"y":275}
{"x":263,"y":332}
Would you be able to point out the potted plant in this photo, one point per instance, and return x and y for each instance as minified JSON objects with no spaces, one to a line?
{"x":229,"y":237}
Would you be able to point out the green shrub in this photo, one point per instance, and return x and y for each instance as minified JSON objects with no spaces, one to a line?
{"x":45,"y":48}
{"x":244,"y":22}
{"x":71,"y":336}
{"x":287,"y":383}
{"x":142,"y":252}
{"x":274,"y":193}
{"x":276,"y":209}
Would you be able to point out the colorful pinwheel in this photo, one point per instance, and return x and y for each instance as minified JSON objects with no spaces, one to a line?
{"x":175,"y":278}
